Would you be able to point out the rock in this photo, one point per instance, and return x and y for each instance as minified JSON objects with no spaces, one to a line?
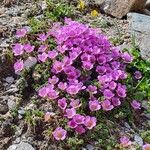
{"x":21,"y":146}
{"x":9,"y":79}
{"x":3,"y":108}
{"x":138,"y":140}
{"x":21,"y":111}
{"x":147,"y":5}
{"x":17,"y":21}
{"x":119,"y":8}
{"x":139,"y":22}
{"x":43,"y":5}
{"x":147,"y":115}
{"x":95,"y":2}
{"x":12,"y":90}
{"x":89,"y":147}
{"x":31,"y":61}
{"x":139,"y":26}
{"x":12,"y":102}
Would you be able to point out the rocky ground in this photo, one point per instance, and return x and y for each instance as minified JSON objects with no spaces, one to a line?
{"x":15,"y":133}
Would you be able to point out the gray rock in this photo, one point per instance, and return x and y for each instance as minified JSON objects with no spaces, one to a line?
{"x":21,"y":112}
{"x":20,"y":117}
{"x":9,"y":79}
{"x":12,"y":90}
{"x":147,"y":115}
{"x":89,"y":147}
{"x":139,"y":26}
{"x":11,"y":104}
{"x":21,"y":146}
{"x":31,"y":61}
{"x":17,"y":140}
{"x":139,"y":22}
{"x":138,"y":140}
{"x":4,"y":44}
{"x":43,"y":5}
{"x":39,"y":16}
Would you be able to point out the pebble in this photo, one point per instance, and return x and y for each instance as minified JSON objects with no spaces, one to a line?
{"x":21,"y":146}
{"x":21,"y":112}
{"x":89,"y":147}
{"x":9,"y":79}
{"x":138,"y":140}
{"x":11,"y":103}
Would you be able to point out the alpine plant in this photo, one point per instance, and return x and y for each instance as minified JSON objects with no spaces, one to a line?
{"x":86,"y":73}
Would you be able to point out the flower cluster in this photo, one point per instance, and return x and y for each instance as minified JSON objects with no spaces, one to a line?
{"x":86,"y":68}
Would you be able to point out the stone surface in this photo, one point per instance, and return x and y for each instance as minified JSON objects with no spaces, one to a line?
{"x":119,"y":8}
{"x":89,"y":147}
{"x":139,"y":25}
{"x":138,"y":140}
{"x":21,"y":146}
{"x":9,"y":79}
{"x":12,"y":102}
{"x":147,"y":5}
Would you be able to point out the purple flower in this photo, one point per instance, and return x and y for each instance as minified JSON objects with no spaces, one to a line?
{"x":72,"y":124}
{"x":88,"y":58}
{"x":80,"y":129}
{"x":106,"y":104}
{"x":105,"y":78}
{"x":73,"y":55}
{"x":123,"y":75}
{"x":62,"y":85}
{"x":116,"y":74}
{"x":102,"y":59}
{"x":43,"y":92}
{"x":115,"y":65}
{"x":136,"y":105}
{"x":17,"y":49}
{"x":108,"y":94}
{"x":53,"y":80}
{"x":146,"y":147}
{"x":121,"y":91}
{"x":127,"y":57}
{"x":59,"y":133}
{"x":73,"y":89}
{"x":116,"y":101}
{"x":90,"y":122}
{"x":42,"y":57}
{"x":42,"y":37}
{"x":52,"y":54}
{"x":28,"y":48}
{"x":125,"y":141}
{"x":62,"y":103}
{"x":58,"y":66}
{"x":87,"y":65}
{"x":21,"y":33}
{"x":75,"y":103}
{"x":78,"y":119}
{"x":42,"y":48}
{"x":101,"y":69}
{"x":94,"y":105}
{"x":92,"y":89}
{"x":67,"y":61}
{"x":112,"y":85}
{"x":52,"y":94}
{"x":18,"y":66}
{"x":138,"y":75}
{"x":70,"y":113}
